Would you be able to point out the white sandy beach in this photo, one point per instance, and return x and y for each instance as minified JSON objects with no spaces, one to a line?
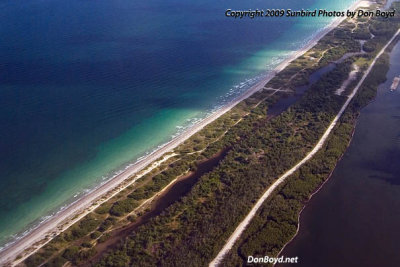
{"x":34,"y":240}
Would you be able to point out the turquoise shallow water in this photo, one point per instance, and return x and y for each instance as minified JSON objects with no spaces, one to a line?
{"x":88,"y":87}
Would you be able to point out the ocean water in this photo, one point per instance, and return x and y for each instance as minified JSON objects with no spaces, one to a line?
{"x":89,"y":87}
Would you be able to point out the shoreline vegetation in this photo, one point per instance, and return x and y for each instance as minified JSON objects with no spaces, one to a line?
{"x":257,"y":148}
{"x":62,"y":220}
{"x":375,"y":75}
{"x":44,"y":233}
{"x":319,"y":145}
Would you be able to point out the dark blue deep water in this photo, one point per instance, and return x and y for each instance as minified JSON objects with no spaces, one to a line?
{"x":87,"y":87}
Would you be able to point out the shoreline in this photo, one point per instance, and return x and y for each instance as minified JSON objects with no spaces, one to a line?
{"x":315,"y":192}
{"x":380,"y":90}
{"x":45,"y":231}
{"x":324,"y":182}
{"x":230,"y":242}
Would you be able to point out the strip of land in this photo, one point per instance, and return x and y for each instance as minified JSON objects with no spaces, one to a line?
{"x":64,"y":219}
{"x":242,"y":226}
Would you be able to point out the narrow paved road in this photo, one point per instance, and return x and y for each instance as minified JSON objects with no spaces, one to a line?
{"x":242,"y":226}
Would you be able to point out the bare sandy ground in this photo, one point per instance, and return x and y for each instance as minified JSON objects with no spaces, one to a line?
{"x":352,"y":77}
{"x":243,"y":224}
{"x":41,"y":235}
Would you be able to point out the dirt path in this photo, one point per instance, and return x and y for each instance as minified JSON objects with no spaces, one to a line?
{"x":242,"y":226}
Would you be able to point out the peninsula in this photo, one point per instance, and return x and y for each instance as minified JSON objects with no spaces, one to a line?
{"x":251,"y":166}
